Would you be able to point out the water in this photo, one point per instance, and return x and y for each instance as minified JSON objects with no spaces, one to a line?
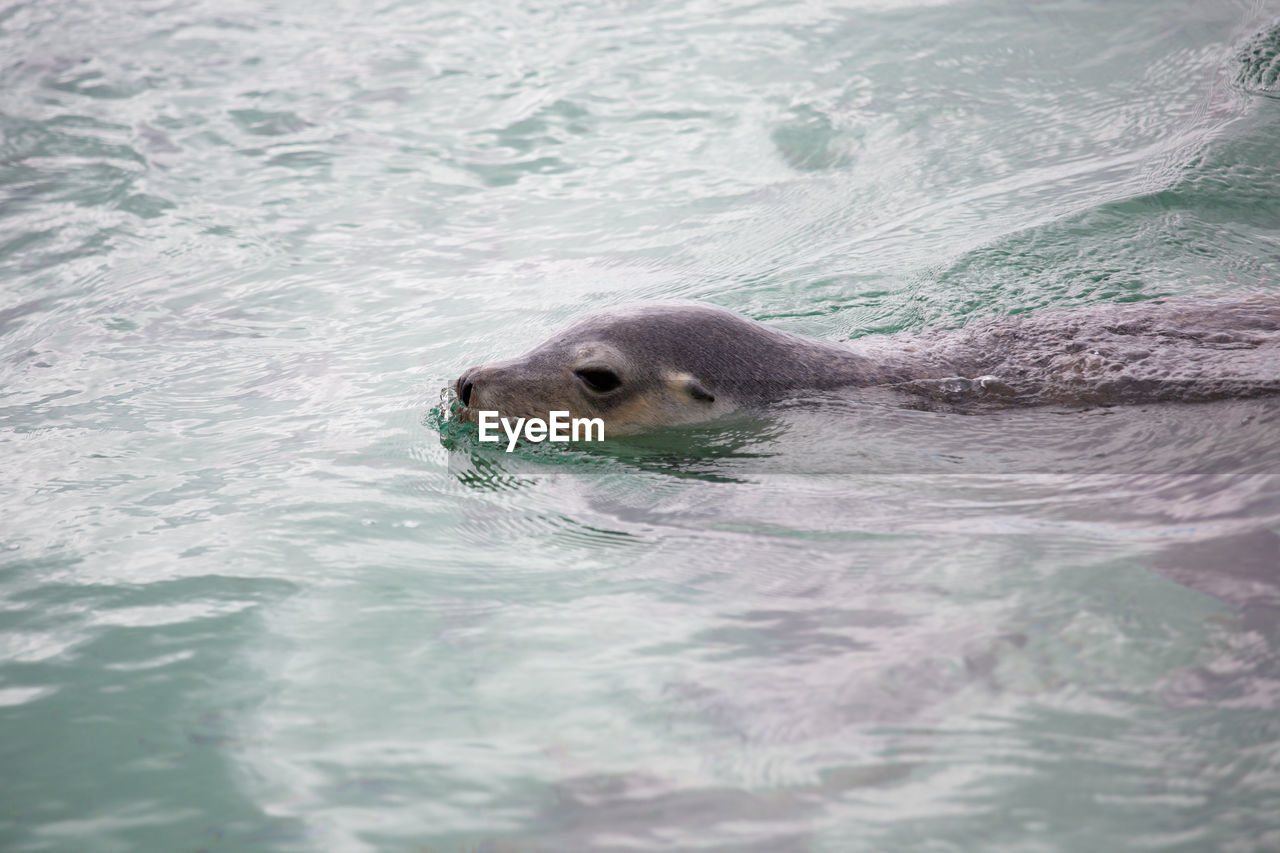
{"x":256,"y":595}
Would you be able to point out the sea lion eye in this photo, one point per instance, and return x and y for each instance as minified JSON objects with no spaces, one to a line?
{"x":602,"y":380}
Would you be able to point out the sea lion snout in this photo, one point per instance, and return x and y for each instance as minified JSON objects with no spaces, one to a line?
{"x":464,"y":386}
{"x":477,"y":388}
{"x":512,"y":388}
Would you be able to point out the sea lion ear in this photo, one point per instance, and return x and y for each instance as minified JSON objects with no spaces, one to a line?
{"x":692,"y":387}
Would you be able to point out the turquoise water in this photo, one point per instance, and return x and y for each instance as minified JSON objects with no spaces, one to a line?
{"x":256,"y":595}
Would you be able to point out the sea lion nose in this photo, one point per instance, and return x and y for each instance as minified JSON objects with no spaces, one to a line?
{"x":464,"y":386}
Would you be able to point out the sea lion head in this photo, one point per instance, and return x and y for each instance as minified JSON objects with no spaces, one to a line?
{"x":633,"y":368}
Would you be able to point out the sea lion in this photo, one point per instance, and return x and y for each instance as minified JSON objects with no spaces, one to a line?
{"x":663,"y":364}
